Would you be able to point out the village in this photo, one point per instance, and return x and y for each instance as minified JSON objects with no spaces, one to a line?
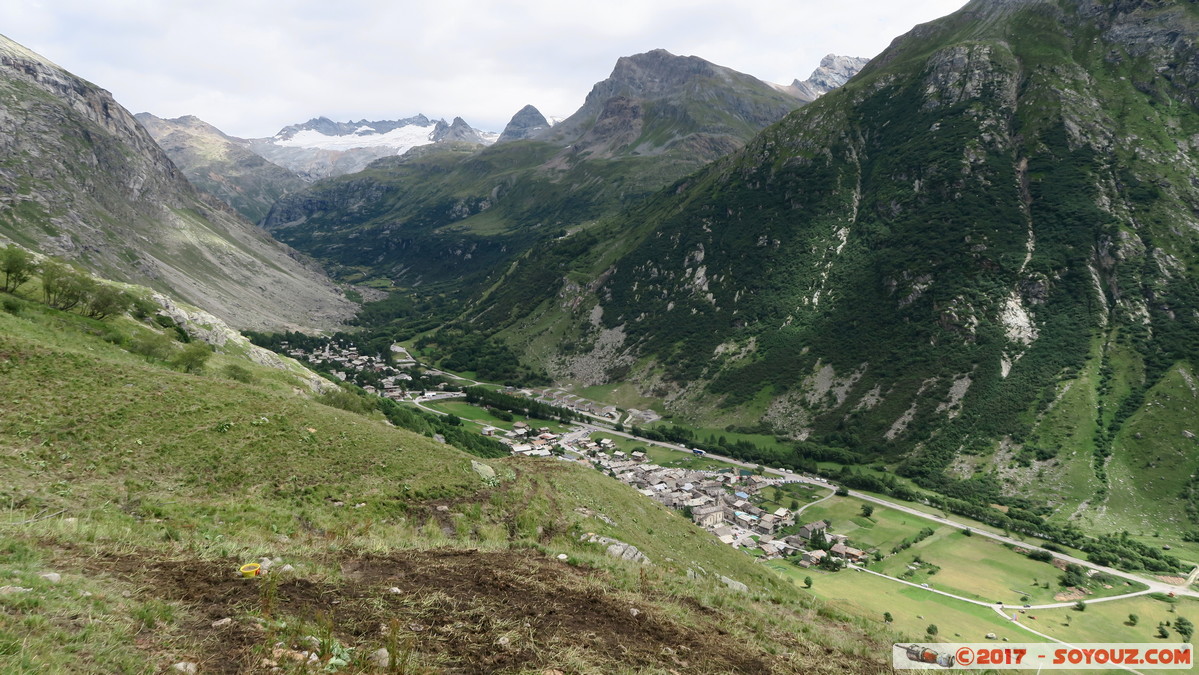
{"x":721,"y":502}
{"x":400,"y":377}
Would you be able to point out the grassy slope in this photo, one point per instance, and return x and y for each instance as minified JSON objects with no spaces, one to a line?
{"x":167,"y":480}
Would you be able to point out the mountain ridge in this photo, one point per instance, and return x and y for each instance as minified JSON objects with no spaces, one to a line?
{"x":82,"y":179}
{"x":321,"y":148}
{"x":220,"y":164}
{"x":458,"y":216}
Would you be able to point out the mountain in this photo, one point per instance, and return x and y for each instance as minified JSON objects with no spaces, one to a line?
{"x":221,"y":165}
{"x":322,"y":148}
{"x":81,"y":179}
{"x":455,"y":215}
{"x":834,"y":71}
{"x":657,"y":101}
{"x":977,"y":264}
{"x":526,"y":123}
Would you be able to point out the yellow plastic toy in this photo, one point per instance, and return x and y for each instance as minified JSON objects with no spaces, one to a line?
{"x":250,"y":570}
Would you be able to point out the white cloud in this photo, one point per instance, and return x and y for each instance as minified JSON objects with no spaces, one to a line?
{"x":251,"y":66}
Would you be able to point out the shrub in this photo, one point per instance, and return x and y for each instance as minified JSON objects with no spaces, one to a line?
{"x":236,"y":372}
{"x":151,"y":345}
{"x":192,"y":358}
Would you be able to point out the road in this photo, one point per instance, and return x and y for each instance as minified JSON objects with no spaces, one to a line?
{"x":806,"y":506}
{"x":1155,"y":585}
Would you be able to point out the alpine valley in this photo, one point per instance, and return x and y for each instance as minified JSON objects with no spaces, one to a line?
{"x":334,"y":400}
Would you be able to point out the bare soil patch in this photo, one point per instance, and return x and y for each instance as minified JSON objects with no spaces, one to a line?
{"x":1071,"y":595}
{"x":472,"y":611}
{"x":1177,"y":581}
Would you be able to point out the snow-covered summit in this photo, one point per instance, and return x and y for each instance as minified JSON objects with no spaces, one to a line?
{"x":321,"y":148}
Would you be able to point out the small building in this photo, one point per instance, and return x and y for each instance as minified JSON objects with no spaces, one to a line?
{"x":767,"y":524}
{"x":850,"y":553}
{"x":814,"y":557}
{"x":708,"y":516}
{"x":807,"y":531}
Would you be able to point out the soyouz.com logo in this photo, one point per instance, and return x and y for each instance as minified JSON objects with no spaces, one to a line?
{"x":1041,"y":655}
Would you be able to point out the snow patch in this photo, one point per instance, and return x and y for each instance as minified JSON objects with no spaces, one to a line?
{"x":402,"y":139}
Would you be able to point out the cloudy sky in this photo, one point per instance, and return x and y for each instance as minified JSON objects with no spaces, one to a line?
{"x":253,"y":66}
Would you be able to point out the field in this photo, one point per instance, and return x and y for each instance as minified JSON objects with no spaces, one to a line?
{"x":705,"y":433}
{"x":975,"y":567}
{"x":981,"y":568}
{"x":1109,"y":622}
{"x":466,"y":411}
{"x":623,"y":395}
{"x":912,"y":609}
{"x":775,"y":497}
{"x":885,"y":527}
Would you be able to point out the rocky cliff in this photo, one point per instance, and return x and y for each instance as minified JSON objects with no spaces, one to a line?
{"x":658,"y":101}
{"x":80,"y":178}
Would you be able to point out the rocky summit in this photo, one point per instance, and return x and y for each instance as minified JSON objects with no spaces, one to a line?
{"x":526,"y":123}
{"x":834,"y":71}
{"x":221,"y":165}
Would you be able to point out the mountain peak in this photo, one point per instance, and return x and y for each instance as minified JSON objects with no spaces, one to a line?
{"x":713,"y":106}
{"x":526,"y":123}
{"x":652,"y":73}
{"x":457,"y":131}
{"x":833,"y":72}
